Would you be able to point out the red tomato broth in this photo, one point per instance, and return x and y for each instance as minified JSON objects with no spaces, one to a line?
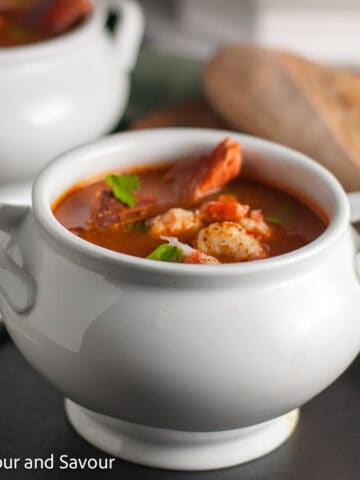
{"x":33,"y":21}
{"x":302,"y":224}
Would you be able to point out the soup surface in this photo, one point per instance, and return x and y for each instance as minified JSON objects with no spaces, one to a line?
{"x":30,"y":21}
{"x":169,"y":218}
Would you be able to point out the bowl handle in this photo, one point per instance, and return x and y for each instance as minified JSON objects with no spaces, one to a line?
{"x":17,"y":287}
{"x":128,"y":32}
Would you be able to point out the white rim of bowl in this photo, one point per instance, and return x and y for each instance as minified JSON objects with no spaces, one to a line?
{"x":44,"y":215}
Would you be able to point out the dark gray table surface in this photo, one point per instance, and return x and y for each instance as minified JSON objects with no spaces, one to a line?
{"x":325,"y":446}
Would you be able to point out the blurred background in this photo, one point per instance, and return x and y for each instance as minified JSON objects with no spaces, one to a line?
{"x":323,"y":29}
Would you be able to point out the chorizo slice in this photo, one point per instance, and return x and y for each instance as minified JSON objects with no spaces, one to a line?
{"x":110,"y":213}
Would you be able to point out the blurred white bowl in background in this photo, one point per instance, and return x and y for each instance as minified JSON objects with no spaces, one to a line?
{"x":63,"y":92}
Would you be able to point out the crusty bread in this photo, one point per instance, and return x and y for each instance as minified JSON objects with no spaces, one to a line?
{"x":288,"y":99}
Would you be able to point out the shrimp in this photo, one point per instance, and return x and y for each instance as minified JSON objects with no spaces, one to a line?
{"x":174,"y":222}
{"x":229,"y":239}
{"x":220,"y":211}
{"x":256,"y":225}
{"x":191,"y":255}
{"x":227,"y":209}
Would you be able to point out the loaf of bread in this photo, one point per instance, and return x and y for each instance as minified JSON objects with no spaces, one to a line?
{"x":285,"y":98}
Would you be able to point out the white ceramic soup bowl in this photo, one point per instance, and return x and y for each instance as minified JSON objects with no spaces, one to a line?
{"x":66,"y":91}
{"x":173,"y":365}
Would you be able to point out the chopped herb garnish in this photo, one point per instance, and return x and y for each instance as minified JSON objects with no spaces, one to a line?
{"x":137,"y":227}
{"x":123,"y":187}
{"x":275,"y":220}
{"x":167,"y":253}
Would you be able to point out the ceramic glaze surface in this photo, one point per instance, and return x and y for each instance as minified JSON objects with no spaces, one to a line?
{"x":178,"y":450}
{"x":181,"y":347}
{"x":66,"y":91}
{"x":173,"y":362}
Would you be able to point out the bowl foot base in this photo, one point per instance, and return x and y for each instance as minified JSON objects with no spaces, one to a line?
{"x":180,"y":450}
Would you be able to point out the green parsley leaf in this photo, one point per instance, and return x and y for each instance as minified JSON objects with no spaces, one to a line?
{"x":123,"y":187}
{"x":274,"y":219}
{"x":167,"y":253}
